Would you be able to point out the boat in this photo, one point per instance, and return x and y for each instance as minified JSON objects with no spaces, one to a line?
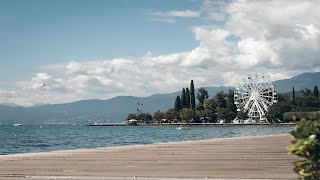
{"x":17,"y":125}
{"x":131,"y":122}
{"x":182,"y":128}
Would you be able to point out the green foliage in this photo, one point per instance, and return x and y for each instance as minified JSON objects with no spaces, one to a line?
{"x":187,"y":114}
{"x":225,"y":113}
{"x":202,"y":95}
{"x":277,"y":110}
{"x":242,"y":115}
{"x":306,"y":92}
{"x":293,"y":96}
{"x":177,"y":104}
{"x":172,"y":114}
{"x":144,"y":117}
{"x":205,"y":114}
{"x":220,"y":100}
{"x":188,"y":105}
{"x":183,"y":98}
{"x":209,"y":104}
{"x":132,"y":116}
{"x":316,"y":92}
{"x":192,"y":96}
{"x":317,"y":116}
{"x":159,"y":116}
{"x":283,"y":97}
{"x":307,"y":146}
{"x":308,"y":103}
{"x":297,"y":116}
{"x":200,"y":106}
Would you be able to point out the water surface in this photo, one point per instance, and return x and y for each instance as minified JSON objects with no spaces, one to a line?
{"x":36,"y":138}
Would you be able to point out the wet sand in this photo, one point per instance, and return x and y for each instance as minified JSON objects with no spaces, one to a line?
{"x":260,"y":157}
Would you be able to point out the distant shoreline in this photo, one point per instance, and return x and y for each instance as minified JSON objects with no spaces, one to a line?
{"x":220,"y":124}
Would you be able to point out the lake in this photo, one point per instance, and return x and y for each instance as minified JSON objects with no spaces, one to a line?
{"x":36,"y":138}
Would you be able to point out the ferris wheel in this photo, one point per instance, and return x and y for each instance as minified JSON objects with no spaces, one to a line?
{"x":254,"y":94}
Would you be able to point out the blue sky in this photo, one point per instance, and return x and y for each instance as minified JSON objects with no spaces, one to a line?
{"x":39,"y":32}
{"x":99,"y":49}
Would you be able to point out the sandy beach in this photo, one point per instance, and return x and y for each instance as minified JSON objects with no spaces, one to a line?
{"x":260,"y":157}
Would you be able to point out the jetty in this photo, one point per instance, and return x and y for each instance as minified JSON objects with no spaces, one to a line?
{"x":105,"y":125}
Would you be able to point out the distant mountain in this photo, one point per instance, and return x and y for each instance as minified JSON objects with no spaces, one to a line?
{"x":116,"y":109}
{"x":9,"y":104}
{"x":112,"y":110}
{"x":305,"y":80}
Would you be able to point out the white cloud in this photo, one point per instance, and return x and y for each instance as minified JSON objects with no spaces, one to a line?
{"x":174,"y":13}
{"x":214,"y":10}
{"x":170,"y":16}
{"x":281,"y":38}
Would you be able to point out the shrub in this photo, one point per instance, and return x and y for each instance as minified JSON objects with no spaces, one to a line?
{"x":307,"y":146}
{"x":293,"y":116}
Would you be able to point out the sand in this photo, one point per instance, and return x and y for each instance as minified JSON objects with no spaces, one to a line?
{"x":260,"y":157}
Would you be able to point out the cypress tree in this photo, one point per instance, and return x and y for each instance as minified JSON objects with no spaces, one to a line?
{"x":293,"y":96}
{"x":316,"y":92}
{"x":187,"y":98}
{"x":183,"y":98}
{"x":192,"y":96}
{"x":177,"y":104}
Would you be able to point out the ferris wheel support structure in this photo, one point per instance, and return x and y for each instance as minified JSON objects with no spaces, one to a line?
{"x":254,"y":94}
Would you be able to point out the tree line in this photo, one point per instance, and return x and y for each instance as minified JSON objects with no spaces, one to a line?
{"x":196,"y":108}
{"x":200,"y":108}
{"x":304,"y":106}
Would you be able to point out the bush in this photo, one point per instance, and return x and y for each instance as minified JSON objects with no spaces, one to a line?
{"x":307,"y":146}
{"x":296,"y":116}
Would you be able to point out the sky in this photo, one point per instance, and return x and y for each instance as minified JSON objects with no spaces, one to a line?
{"x":96,"y":49}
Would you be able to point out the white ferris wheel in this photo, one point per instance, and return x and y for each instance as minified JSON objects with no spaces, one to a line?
{"x":254,"y":94}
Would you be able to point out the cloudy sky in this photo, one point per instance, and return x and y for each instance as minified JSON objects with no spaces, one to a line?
{"x":97,"y":49}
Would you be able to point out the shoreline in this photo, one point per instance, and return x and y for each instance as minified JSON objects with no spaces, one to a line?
{"x":248,"y":157}
{"x":218,"y":124}
{"x":93,"y":149}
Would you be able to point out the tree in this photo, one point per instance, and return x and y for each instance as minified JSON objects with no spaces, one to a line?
{"x":144,"y":117}
{"x":172,"y":114}
{"x":230,"y":101}
{"x":205,"y":114}
{"x":306,"y":92}
{"x":188,"y":105}
{"x":225,"y":113}
{"x":192,"y":96}
{"x":187,"y":114}
{"x":242,"y":115}
{"x":293,"y":96}
{"x":220,"y":100}
{"x":306,"y":145}
{"x":158,"y":116}
{"x":177,"y":104}
{"x":308,"y":103}
{"x":277,"y":110}
{"x":316,"y":92}
{"x":200,"y":106}
{"x":132,"y":116}
{"x":283,"y":97}
{"x":183,"y":98}
{"x":202,"y":95}
{"x":209,"y":104}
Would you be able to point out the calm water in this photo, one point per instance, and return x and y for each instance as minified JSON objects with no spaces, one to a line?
{"x":32,"y":138}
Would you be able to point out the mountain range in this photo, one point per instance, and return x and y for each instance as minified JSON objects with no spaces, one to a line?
{"x":116,"y":109}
